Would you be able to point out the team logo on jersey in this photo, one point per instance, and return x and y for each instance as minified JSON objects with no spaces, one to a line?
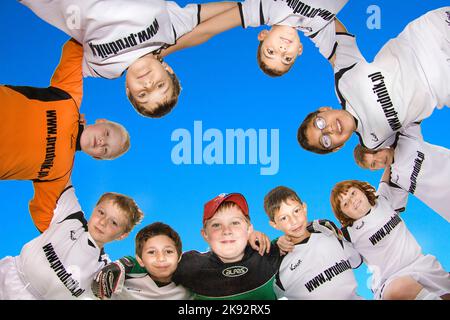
{"x":374,"y":137}
{"x":448,"y":17}
{"x":294,"y":266}
{"x":360,"y":226}
{"x":72,"y":235}
{"x":235,"y":271}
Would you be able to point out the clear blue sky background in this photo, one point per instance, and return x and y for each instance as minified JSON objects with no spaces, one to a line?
{"x":223,"y":88}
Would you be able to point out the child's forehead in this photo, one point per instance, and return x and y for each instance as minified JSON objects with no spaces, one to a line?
{"x":229,"y":213}
{"x":159,"y":239}
{"x":288,"y":205}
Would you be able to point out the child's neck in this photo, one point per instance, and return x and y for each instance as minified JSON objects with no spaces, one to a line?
{"x":302,"y":237}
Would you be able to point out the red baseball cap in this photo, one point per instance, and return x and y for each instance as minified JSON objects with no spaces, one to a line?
{"x":211,"y":206}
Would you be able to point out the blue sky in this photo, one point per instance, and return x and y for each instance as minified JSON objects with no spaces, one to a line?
{"x":223,"y":88}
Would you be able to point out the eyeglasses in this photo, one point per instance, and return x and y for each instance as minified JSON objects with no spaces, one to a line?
{"x":325,"y":139}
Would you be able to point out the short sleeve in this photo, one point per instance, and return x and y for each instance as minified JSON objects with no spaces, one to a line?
{"x":68,"y":75}
{"x":347,"y":52}
{"x":183,"y":19}
{"x":396,"y":196}
{"x":325,"y":40}
{"x":66,"y":204}
{"x":251,"y":13}
{"x":353,"y":256}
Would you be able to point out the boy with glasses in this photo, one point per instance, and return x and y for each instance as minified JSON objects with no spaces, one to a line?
{"x":408,"y":79}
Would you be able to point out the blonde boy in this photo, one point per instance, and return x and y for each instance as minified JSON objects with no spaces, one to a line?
{"x":62,"y":261}
{"x":43,"y":128}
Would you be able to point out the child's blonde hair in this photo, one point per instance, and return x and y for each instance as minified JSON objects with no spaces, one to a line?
{"x":127,"y":205}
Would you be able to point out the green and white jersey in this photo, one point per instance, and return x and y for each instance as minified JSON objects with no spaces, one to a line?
{"x":315,"y":18}
{"x":115,"y":33}
{"x":142,"y":287}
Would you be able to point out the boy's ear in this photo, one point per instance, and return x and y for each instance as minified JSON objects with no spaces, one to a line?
{"x":101,"y":121}
{"x":300,"y":49}
{"x":273,"y":225}
{"x":127,"y":91}
{"x":250,"y":229}
{"x":263,"y":34}
{"x":204,"y":235}
{"x":322,"y":109}
{"x":139,"y":260}
{"x":123,"y":236}
{"x":167,"y":67}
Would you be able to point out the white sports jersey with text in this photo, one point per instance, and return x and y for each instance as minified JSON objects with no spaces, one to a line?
{"x":423,"y":170}
{"x":62,"y":261}
{"x":321,"y":268}
{"x":384,"y":241}
{"x":144,"y":288}
{"x":314,"y":18}
{"x":382,"y":100}
{"x":115,"y":33}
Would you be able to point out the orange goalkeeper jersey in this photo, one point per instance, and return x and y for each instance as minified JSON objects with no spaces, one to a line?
{"x":39,"y":133}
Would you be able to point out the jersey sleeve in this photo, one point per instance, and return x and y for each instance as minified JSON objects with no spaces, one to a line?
{"x":325,"y":40}
{"x":413,"y":131}
{"x":250,"y":13}
{"x":347,"y":52}
{"x":183,"y":19}
{"x":396,"y":196}
{"x":68,"y":75}
{"x":43,"y":204}
{"x":66,"y":204}
{"x":354,"y":257}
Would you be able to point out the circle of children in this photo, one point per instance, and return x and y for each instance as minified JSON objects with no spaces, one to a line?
{"x":383,"y":102}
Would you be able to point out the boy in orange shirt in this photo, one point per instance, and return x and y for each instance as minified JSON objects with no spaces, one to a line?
{"x":41,"y":130}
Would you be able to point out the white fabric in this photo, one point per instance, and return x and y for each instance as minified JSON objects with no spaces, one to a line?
{"x":144,"y":288}
{"x":391,"y":251}
{"x":319,"y":269}
{"x":62,"y":261}
{"x":11,"y":285}
{"x":401,"y":86}
{"x":423,"y":170}
{"x":308,"y":16}
{"x":115,"y":33}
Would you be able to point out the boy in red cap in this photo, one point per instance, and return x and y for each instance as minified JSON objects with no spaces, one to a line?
{"x":230,"y":270}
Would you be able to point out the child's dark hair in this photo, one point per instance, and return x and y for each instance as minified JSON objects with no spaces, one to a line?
{"x":163,"y":108}
{"x":275,"y":197}
{"x":264,"y":67}
{"x":153,"y":230}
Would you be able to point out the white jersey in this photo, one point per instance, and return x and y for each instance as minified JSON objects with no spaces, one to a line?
{"x":423,"y":170}
{"x":62,"y":261}
{"x":384,"y":241}
{"x":319,"y":269}
{"x":315,"y":18}
{"x":144,"y":288}
{"x":393,"y":91}
{"x":115,"y":33}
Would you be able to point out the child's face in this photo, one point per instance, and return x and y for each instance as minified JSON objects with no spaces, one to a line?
{"x":159,"y":256}
{"x":102,"y":140}
{"x":148,"y":81}
{"x":354,"y":203}
{"x":227,"y":234}
{"x":378,"y":160}
{"x":107,"y":223}
{"x":330,"y":129}
{"x":280,"y":48}
{"x":291,"y":219}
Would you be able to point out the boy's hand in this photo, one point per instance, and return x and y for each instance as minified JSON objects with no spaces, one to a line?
{"x":260,"y":242}
{"x":110,"y":279}
{"x":285,"y":244}
{"x":326,"y":227}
